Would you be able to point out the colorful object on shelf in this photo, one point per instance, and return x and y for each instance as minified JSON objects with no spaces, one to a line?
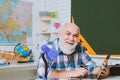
{"x":57,"y":25}
{"x":44,"y":29}
{"x":23,"y":51}
{"x":54,"y":15}
{"x":7,"y":56}
{"x":50,"y":14}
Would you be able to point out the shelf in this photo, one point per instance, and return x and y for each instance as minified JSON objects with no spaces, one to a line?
{"x":48,"y":32}
{"x":45,"y":19}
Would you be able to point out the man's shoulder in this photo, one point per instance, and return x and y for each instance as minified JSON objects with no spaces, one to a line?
{"x":52,"y":44}
{"x":80,"y":47}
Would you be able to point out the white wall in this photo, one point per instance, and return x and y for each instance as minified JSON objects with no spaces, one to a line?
{"x":64,"y":10}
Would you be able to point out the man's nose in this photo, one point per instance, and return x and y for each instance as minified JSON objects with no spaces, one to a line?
{"x":71,"y":38}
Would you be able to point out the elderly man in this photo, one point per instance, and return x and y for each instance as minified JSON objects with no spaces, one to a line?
{"x":73,"y":60}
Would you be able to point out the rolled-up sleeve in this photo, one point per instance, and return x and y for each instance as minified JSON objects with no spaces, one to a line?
{"x":90,"y":65}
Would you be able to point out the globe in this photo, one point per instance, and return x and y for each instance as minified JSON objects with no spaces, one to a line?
{"x":22,"y":51}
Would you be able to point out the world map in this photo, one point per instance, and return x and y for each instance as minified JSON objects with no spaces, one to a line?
{"x":15,"y":21}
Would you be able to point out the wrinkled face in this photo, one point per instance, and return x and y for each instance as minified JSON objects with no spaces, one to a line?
{"x":69,"y":36}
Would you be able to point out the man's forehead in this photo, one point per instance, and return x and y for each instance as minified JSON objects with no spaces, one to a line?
{"x":72,"y":29}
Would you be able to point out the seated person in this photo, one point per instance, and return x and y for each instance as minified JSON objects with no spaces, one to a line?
{"x":73,"y":60}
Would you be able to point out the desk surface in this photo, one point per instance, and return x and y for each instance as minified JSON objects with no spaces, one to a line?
{"x":108,"y":78}
{"x":113,"y":78}
{"x":14,"y":66}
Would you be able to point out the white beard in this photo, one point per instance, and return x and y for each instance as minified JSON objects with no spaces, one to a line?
{"x":65,"y":49}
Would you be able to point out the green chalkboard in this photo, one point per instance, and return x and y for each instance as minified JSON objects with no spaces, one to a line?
{"x":99,"y":21}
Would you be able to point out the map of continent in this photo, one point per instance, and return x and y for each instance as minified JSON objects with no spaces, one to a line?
{"x":15,"y":21}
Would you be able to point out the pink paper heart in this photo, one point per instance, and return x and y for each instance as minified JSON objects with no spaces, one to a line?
{"x":57,"y":25}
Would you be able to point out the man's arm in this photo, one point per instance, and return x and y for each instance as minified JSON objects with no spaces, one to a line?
{"x":88,"y":63}
{"x":97,"y":71}
{"x":80,"y":72}
{"x":60,"y":74}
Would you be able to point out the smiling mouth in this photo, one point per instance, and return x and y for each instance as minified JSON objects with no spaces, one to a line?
{"x":69,"y":43}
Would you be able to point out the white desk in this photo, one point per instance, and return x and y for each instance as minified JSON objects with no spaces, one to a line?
{"x":112,"y":78}
{"x":18,"y":71}
{"x":27,"y":71}
{"x":112,"y":61}
{"x":108,"y":78}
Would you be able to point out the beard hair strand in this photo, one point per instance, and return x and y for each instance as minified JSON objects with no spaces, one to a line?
{"x":65,"y":49}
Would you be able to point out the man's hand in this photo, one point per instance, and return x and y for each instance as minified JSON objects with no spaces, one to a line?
{"x":105,"y":72}
{"x":96,"y":71}
{"x":80,"y":72}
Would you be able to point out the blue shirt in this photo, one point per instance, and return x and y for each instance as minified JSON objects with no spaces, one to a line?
{"x":77,"y":59}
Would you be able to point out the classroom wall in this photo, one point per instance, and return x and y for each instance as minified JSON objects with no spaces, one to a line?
{"x":64,"y":14}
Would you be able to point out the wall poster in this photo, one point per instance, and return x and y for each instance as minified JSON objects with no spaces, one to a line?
{"x":15,"y":21}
